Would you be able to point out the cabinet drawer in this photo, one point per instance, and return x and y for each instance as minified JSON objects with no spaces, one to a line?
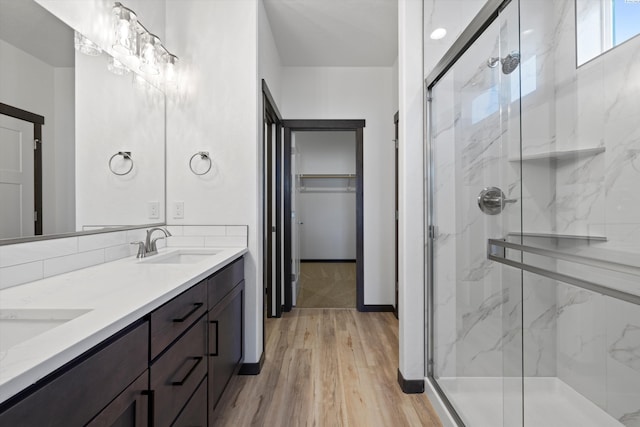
{"x":175,"y":317}
{"x":195,"y":413}
{"x":131,"y":408}
{"x":87,"y":386}
{"x":176,"y":374}
{"x":223,"y":281}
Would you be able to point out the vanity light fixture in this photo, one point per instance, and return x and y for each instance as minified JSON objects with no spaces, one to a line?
{"x":125,"y":30}
{"x":117,"y":67}
{"x":141,"y":49}
{"x":86,"y":46}
{"x":170,"y":69}
{"x":149,"y":53}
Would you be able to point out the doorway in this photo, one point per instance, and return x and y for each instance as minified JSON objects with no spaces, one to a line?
{"x":324,"y":213}
{"x":291,"y":231}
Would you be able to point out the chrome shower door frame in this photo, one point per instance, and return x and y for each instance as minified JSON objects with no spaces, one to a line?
{"x":485,"y":17}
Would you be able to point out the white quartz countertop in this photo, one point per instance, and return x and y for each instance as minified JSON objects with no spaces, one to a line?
{"x":115,"y":294}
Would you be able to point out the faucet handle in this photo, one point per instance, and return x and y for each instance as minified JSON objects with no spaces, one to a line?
{"x":141,"y":251}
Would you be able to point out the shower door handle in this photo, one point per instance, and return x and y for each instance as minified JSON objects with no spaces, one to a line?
{"x":492,"y":201}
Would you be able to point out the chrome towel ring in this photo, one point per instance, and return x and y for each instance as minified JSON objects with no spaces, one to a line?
{"x":126,"y":155}
{"x":203,"y":155}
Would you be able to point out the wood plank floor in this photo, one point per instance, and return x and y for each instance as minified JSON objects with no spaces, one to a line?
{"x":326,"y":367}
{"x":327,"y":285}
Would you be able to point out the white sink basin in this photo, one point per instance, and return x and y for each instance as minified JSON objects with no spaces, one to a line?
{"x":19,"y":325}
{"x":182,"y":256}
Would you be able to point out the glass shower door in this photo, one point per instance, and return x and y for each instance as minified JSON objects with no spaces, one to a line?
{"x":475,"y":354}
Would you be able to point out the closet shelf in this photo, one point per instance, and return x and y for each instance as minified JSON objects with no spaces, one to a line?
{"x":327,"y":183}
{"x":561,"y":154}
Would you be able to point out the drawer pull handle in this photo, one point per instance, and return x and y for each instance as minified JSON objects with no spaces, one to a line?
{"x":193,"y":368}
{"x":214,"y":353}
{"x":195,"y":308}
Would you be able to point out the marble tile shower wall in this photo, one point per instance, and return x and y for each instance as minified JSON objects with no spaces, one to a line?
{"x":27,"y":262}
{"x":593,"y":108}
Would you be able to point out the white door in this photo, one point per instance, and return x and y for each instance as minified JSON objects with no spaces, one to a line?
{"x":16,"y":178}
{"x":296,"y":221}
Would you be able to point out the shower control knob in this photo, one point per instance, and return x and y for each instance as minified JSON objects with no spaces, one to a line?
{"x":492,"y":201}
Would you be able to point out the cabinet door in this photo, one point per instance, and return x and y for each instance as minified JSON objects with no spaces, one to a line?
{"x":129,"y":409}
{"x":225,"y":341}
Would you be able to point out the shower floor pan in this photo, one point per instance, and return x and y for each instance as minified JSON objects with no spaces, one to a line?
{"x":549,"y":402}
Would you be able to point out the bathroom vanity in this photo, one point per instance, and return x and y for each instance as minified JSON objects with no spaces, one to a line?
{"x":153,"y":342}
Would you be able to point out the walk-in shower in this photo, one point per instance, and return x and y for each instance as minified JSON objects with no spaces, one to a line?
{"x":533,"y":216}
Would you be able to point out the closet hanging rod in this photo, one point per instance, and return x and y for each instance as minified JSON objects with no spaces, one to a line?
{"x":328,"y":175}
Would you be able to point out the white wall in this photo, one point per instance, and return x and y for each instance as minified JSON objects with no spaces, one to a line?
{"x":269,"y":61}
{"x":411,"y":192}
{"x":113,"y":114}
{"x":326,"y":206}
{"x":357,"y":93}
{"x":64,"y":197}
{"x":30,"y":84}
{"x":395,"y":95}
{"x":217,"y":111}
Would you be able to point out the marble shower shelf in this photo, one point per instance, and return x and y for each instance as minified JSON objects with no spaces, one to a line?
{"x":561,"y":154}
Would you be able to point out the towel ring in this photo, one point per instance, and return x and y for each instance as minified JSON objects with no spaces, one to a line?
{"x":203,"y":155}
{"x":126,"y":155}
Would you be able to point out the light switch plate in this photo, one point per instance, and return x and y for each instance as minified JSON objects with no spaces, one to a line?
{"x":178,"y":210}
{"x":153,"y":210}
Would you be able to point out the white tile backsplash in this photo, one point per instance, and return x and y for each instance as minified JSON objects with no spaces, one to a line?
{"x":55,"y":266}
{"x":222,"y":236}
{"x":182,"y":241}
{"x":101,"y":241}
{"x":208,"y":230}
{"x":21,"y":273}
{"x":22,"y":253}
{"x":26,"y":262}
{"x":225,"y":241}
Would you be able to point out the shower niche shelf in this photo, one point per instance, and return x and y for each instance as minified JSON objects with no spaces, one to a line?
{"x":561,"y":154}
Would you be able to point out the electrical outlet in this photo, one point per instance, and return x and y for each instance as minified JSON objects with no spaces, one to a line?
{"x":153,"y":210}
{"x":178,"y":210}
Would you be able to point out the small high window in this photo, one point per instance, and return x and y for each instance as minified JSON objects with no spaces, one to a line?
{"x":603,"y":24}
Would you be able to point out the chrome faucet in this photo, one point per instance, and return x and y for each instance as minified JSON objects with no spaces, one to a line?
{"x":150,"y":244}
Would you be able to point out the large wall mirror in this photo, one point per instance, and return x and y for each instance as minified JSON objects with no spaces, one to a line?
{"x":99,"y":159}
{"x":602,"y":25}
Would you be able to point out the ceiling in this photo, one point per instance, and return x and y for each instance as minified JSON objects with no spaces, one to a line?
{"x":29,"y":27}
{"x":341,"y":33}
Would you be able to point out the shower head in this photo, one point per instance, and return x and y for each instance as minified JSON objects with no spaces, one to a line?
{"x":509,"y":62}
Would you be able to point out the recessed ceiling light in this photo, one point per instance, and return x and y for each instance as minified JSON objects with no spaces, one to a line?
{"x":438,"y":33}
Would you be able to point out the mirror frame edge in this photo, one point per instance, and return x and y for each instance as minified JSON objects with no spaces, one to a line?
{"x":18,"y":240}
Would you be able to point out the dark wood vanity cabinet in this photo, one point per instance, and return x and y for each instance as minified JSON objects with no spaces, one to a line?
{"x":88,"y":386}
{"x":168,"y":369}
